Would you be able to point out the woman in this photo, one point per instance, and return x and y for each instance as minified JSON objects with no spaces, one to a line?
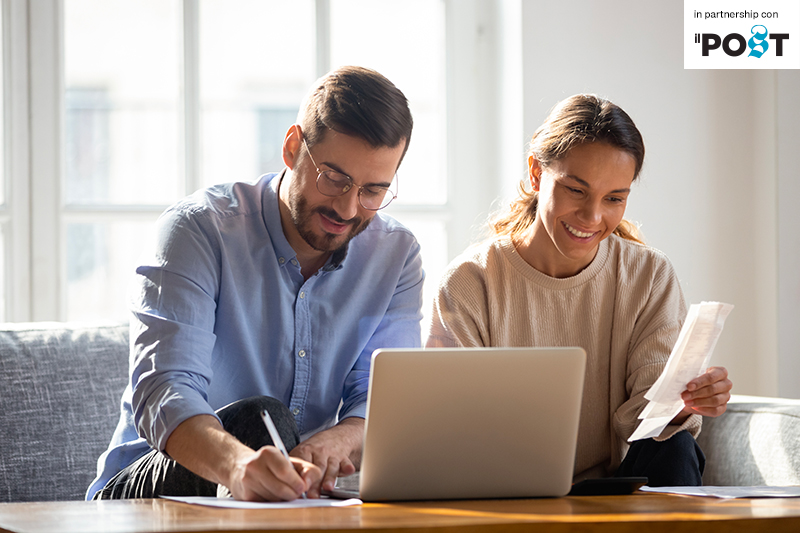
{"x":564,"y":269}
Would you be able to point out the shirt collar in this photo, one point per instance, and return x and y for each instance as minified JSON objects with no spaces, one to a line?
{"x":271,"y":213}
{"x":335,"y":260}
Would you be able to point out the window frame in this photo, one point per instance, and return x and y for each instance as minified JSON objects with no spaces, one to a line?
{"x":16,"y":213}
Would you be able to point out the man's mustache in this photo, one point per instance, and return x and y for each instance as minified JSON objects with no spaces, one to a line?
{"x":333,"y":215}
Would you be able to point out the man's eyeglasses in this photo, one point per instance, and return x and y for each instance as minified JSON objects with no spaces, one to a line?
{"x":332,"y":183}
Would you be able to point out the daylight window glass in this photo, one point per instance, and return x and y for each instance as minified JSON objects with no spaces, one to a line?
{"x":100,"y":266}
{"x":2,"y":123}
{"x":122,"y":68}
{"x":2,"y":272}
{"x":405,"y":41}
{"x":256,"y":64}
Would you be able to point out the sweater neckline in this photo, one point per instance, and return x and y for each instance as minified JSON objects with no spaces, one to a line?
{"x":506,"y":245}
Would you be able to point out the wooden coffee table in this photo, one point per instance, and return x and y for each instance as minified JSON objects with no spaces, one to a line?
{"x":640,"y":512}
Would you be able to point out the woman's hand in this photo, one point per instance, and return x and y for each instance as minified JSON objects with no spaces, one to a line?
{"x":708,"y":394}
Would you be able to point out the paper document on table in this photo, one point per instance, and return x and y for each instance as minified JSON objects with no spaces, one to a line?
{"x":689,"y":359}
{"x":230,"y":503}
{"x":730,"y":492}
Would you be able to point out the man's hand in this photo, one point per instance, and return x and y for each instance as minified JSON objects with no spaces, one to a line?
{"x":336,"y":451}
{"x":706,"y":395}
{"x":204,"y":447}
{"x":267,"y":475}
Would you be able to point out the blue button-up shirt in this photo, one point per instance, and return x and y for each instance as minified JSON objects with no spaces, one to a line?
{"x":222,"y":313}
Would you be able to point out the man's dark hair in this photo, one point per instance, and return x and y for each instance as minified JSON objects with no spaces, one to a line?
{"x":360,"y":102}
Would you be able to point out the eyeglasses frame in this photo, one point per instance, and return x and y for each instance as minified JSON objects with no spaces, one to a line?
{"x":353,"y":184}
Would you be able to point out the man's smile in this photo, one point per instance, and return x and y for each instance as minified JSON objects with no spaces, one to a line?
{"x":333,"y":223}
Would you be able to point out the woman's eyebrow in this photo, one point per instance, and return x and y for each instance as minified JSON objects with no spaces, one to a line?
{"x":588,"y":186}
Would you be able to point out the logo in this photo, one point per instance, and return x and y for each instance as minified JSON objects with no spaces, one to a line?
{"x":741,"y":34}
{"x":735,"y":44}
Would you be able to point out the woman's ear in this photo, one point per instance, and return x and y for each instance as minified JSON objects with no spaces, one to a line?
{"x":292,"y":145}
{"x":534,"y":172}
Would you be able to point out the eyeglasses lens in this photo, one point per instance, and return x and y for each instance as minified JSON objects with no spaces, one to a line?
{"x":332,"y":183}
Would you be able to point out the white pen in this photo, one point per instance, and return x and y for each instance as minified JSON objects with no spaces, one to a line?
{"x":276,"y":438}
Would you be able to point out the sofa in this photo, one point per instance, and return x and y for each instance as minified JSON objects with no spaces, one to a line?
{"x":756,"y":442}
{"x":60,"y":386}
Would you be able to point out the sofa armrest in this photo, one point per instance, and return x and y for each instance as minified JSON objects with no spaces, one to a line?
{"x":756,"y":442}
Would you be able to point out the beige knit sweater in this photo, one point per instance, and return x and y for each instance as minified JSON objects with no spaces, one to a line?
{"x":625,"y":309}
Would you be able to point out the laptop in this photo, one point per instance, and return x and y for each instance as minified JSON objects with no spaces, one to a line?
{"x":470,"y":423}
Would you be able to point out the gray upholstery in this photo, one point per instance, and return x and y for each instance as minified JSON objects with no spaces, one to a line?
{"x":60,"y":386}
{"x":756,"y":442}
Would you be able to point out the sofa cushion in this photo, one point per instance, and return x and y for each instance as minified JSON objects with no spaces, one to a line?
{"x":60,"y":386}
{"x":756,"y":442}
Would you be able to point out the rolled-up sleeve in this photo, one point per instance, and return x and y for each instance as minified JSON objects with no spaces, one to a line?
{"x":172,"y":328}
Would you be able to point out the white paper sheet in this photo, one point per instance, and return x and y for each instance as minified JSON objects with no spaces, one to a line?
{"x":230,"y":503}
{"x":730,"y":492}
{"x":689,"y":358}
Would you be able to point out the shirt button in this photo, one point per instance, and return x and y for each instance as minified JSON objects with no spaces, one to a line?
{"x":302,"y":295}
{"x":301,"y":353}
{"x":294,"y":262}
{"x":281,"y":260}
{"x":296,"y":411}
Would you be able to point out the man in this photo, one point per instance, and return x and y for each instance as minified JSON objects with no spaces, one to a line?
{"x":272,"y":295}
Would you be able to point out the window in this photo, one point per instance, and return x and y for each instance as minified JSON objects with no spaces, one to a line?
{"x":121,"y":146}
{"x":3,"y":207}
{"x":137,"y":104}
{"x":422,"y":201}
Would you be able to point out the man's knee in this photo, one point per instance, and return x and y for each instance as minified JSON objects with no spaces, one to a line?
{"x":242,"y":419}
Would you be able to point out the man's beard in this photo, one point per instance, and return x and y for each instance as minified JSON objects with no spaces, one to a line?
{"x":328,"y":242}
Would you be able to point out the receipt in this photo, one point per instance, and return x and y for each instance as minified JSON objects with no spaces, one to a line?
{"x":689,"y":359}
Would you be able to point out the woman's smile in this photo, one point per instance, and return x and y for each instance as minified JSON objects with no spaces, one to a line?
{"x":582,"y":235}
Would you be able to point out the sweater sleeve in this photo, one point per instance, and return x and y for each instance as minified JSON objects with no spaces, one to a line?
{"x":654,"y":334}
{"x":460,"y":316}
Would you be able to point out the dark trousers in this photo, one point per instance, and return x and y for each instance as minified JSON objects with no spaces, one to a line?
{"x":675,"y":462}
{"x":155,"y":475}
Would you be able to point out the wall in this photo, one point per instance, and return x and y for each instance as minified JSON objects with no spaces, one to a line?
{"x":708,"y":192}
{"x":788,"y":152}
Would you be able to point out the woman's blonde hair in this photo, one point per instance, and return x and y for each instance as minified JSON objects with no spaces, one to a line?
{"x":579,"y":119}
